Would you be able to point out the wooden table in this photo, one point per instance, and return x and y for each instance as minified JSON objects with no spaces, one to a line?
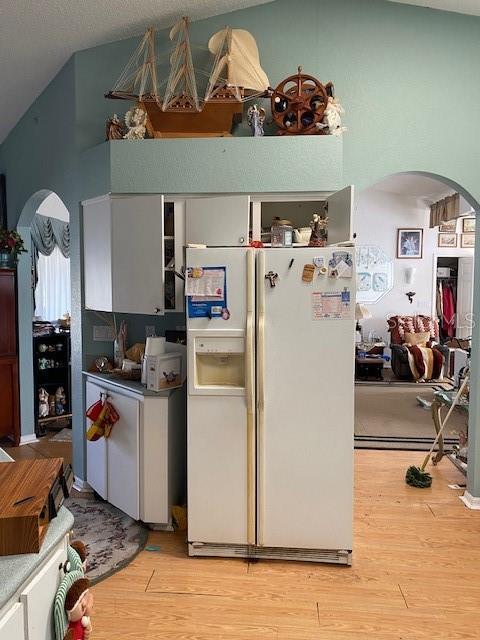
{"x":442,"y":398}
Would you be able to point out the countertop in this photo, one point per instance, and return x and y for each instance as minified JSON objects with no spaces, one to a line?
{"x":130,"y":385}
{"x":16,"y":570}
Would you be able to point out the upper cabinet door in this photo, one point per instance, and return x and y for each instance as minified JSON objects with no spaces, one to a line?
{"x":218,"y":222}
{"x":340,"y":216}
{"x":137,"y":254}
{"x":124,"y":254}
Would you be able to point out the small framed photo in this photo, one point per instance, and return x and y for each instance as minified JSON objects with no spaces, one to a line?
{"x":447,"y":240}
{"x":468,"y":225}
{"x":468,"y":240}
{"x":448,"y":227}
{"x":409,"y":243}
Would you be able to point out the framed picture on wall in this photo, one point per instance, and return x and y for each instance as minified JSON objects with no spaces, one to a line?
{"x":468,"y":240}
{"x":448,"y":227}
{"x":409,"y":243}
{"x":3,"y":202}
{"x":468,"y":225}
{"x":447,"y":240}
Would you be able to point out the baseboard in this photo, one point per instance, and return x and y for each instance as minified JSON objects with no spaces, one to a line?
{"x":29,"y":439}
{"x":81,"y":485}
{"x":472,"y":502}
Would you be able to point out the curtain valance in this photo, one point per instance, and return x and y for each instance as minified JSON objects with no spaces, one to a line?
{"x":48,"y":233}
{"x":444,"y":210}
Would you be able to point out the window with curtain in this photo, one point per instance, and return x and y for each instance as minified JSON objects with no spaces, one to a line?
{"x":52,"y":293}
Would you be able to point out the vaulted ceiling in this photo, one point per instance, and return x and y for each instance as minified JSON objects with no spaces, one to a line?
{"x":37,"y":38}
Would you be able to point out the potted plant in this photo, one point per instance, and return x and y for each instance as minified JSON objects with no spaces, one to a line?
{"x":11,"y":246}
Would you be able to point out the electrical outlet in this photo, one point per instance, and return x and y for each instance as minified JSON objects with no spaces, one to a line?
{"x":103,"y":333}
{"x":149,"y":331}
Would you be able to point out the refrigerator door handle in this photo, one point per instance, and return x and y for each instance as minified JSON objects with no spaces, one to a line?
{"x":261,"y":395}
{"x":250,"y":397}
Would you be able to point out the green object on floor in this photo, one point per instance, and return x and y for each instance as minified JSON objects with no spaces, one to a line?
{"x":152,"y":547}
{"x":417,"y":477}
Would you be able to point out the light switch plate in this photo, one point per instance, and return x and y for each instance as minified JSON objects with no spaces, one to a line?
{"x":103,"y":333}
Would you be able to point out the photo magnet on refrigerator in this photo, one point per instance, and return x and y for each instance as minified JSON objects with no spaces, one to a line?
{"x":308,"y":273}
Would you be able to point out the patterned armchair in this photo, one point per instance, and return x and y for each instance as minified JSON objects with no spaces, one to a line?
{"x":398,"y":326}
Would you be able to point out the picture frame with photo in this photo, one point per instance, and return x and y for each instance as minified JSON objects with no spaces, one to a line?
{"x":447,"y":240}
{"x":450,"y":226}
{"x":468,"y":225}
{"x":409,"y":243}
{"x":468,"y":241}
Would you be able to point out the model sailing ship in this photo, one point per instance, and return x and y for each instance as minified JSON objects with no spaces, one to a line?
{"x":236,"y":76}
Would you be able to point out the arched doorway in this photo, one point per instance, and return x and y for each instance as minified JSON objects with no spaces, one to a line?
{"x":390,"y":214}
{"x":43,"y":290}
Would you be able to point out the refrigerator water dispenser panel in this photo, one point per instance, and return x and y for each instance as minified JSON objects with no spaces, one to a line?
{"x":219,"y":363}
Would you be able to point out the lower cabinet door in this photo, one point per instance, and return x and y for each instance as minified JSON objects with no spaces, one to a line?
{"x":12,"y":623}
{"x":39,"y":595}
{"x":123,"y":452}
{"x":96,"y":450}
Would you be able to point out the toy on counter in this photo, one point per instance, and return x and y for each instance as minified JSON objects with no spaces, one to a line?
{"x":73,"y":603}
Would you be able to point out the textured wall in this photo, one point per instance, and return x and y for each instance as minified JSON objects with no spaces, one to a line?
{"x":407,"y":76}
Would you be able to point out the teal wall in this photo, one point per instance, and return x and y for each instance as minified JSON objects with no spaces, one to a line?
{"x":407,"y":76}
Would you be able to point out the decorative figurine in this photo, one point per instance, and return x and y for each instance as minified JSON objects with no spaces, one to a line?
{"x":73,"y":602}
{"x":51,"y":405}
{"x":60,"y":401}
{"x":114,"y":130}
{"x":319,"y":235}
{"x":255,"y":119}
{"x":43,"y":408}
{"x":135,"y":120}
{"x":299,"y":103}
{"x":332,"y":118}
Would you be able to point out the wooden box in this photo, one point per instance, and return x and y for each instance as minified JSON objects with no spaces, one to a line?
{"x":31,"y":492}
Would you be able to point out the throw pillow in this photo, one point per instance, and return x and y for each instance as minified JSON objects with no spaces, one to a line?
{"x":417,"y":339}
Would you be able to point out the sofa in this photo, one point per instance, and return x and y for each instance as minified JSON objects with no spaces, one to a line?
{"x":398,"y":326}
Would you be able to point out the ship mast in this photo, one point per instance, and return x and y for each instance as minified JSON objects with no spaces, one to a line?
{"x":138,"y":80}
{"x":181,"y":91}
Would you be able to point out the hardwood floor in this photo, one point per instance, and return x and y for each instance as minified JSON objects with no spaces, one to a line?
{"x":44,"y":448}
{"x":415,"y":575}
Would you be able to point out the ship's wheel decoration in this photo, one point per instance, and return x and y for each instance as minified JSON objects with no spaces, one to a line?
{"x":299,"y":103}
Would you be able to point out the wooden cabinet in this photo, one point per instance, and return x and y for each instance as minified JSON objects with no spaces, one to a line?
{"x":9,"y":398}
{"x":140,"y":468}
{"x":123,"y":254}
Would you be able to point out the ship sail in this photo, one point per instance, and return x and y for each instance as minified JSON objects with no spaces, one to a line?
{"x":138,"y":80}
{"x":238,"y":61}
{"x":181,"y":91}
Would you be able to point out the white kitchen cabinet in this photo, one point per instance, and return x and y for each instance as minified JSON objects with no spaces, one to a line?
{"x":231,"y":220}
{"x":123,"y":251}
{"x":12,"y":624}
{"x":140,"y":468}
{"x":123,"y":452}
{"x":39,"y":595}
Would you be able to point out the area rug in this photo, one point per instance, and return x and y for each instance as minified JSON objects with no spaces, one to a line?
{"x":112,"y":538}
{"x":65,"y":435}
{"x":392,"y":418}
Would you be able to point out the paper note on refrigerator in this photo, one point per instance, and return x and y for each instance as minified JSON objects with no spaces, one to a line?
{"x":205,"y":282}
{"x":331,"y":305}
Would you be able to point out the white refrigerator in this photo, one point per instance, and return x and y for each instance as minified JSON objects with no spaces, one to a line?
{"x":270,"y":402}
